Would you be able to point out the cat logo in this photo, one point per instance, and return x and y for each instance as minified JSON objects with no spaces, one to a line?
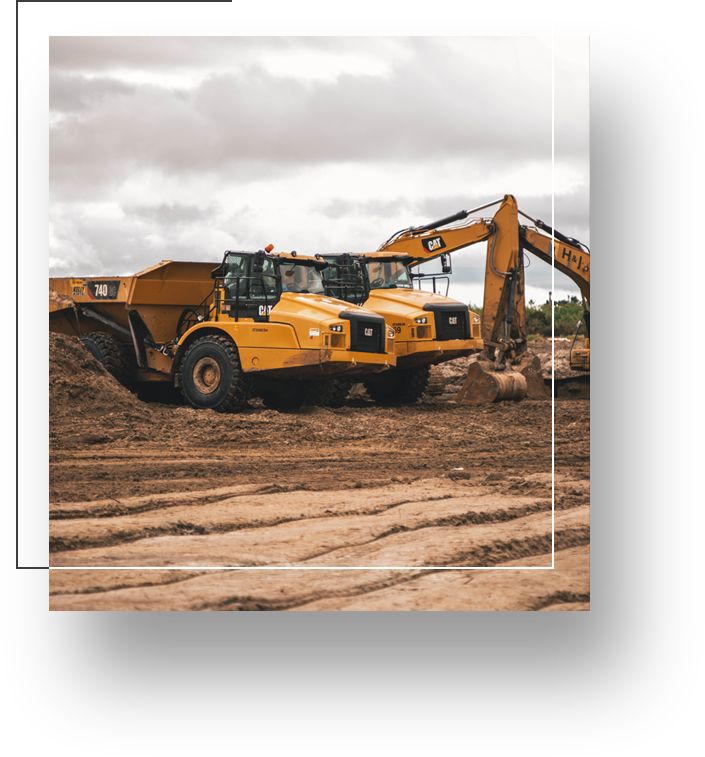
{"x":368,"y":332}
{"x":453,"y":320}
{"x":433,"y":244}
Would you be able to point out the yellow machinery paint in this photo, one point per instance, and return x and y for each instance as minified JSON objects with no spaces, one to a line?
{"x":186,"y":324}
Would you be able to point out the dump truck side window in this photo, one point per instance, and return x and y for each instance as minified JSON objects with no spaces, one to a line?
{"x":266,"y":286}
{"x":236,"y":266}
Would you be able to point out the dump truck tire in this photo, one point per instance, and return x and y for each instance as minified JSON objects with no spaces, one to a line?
{"x":338,"y":392}
{"x":211,"y":376}
{"x":109,"y":353}
{"x":288,"y":395}
{"x":397,"y":385}
{"x":328,"y":392}
{"x":436,"y":382}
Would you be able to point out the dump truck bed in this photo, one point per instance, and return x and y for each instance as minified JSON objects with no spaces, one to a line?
{"x":160,"y":294}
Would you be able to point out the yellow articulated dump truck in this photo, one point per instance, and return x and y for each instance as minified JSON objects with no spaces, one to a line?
{"x":257,"y":325}
{"x":429,"y":327}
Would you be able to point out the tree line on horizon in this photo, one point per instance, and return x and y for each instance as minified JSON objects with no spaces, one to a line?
{"x":567,"y":314}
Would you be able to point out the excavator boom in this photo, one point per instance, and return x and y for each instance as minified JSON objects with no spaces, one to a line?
{"x":503,"y":309}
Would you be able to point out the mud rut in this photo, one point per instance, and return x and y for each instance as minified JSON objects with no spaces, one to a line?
{"x":136,"y":485}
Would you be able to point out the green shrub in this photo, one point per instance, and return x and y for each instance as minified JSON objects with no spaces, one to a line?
{"x":567,"y":313}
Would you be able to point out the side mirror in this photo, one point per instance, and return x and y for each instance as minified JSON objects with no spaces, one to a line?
{"x":446,"y":265}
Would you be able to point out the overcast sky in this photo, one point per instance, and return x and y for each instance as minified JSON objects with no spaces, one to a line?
{"x":178,"y":148}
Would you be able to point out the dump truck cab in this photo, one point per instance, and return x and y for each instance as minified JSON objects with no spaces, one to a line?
{"x":429,"y":327}
{"x":287,"y":291}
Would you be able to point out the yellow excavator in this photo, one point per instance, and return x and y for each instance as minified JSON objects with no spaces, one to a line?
{"x":503,"y":325}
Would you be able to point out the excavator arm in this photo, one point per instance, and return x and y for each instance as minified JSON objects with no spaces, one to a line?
{"x":569,"y":257}
{"x":504,"y":308}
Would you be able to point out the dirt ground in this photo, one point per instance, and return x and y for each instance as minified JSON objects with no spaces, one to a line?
{"x":162,"y":507}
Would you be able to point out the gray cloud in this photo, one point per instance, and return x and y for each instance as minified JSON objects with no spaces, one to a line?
{"x":69,"y":94}
{"x":419,"y":112}
{"x":231,"y":122}
{"x":170,"y":214}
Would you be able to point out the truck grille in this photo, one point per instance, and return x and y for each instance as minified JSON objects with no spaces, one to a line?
{"x":451,"y":325}
{"x":367,"y":331}
{"x":452,"y":321}
{"x":367,"y":337}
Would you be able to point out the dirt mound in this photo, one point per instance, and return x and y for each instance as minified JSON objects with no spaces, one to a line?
{"x":79,"y":386}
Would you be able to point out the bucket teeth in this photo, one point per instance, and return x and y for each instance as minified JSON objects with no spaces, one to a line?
{"x":536,"y":387}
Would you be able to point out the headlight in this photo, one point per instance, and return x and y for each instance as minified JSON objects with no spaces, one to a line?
{"x":475,"y":319}
{"x":337,"y":327}
{"x":390,"y":333}
{"x":421,"y":320}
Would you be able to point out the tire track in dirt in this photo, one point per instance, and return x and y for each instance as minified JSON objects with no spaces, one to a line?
{"x":565,"y":588}
{"x":180,"y":528}
{"x":561,"y":598}
{"x":444,"y":546}
{"x":356,"y":543}
{"x":254,"y":603}
{"x":508,"y":587}
{"x":212,"y":511}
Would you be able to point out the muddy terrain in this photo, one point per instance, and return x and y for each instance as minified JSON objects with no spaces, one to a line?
{"x":358,"y":508}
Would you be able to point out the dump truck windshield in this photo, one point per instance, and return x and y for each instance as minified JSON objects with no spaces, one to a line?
{"x":388,"y":274}
{"x":301,"y":278}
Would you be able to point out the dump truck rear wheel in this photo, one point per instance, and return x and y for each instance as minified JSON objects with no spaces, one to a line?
{"x":211,"y":376}
{"x":109,"y":353}
{"x":288,"y":395}
{"x":338,"y":392}
{"x":329,"y":392}
{"x":399,"y":385}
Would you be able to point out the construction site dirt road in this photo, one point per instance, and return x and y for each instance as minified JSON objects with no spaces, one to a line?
{"x":357,"y":508}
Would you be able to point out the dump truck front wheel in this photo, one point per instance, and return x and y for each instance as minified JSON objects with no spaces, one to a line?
{"x":211,"y":376}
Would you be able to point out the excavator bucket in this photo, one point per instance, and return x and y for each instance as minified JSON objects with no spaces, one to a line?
{"x":483,"y":384}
